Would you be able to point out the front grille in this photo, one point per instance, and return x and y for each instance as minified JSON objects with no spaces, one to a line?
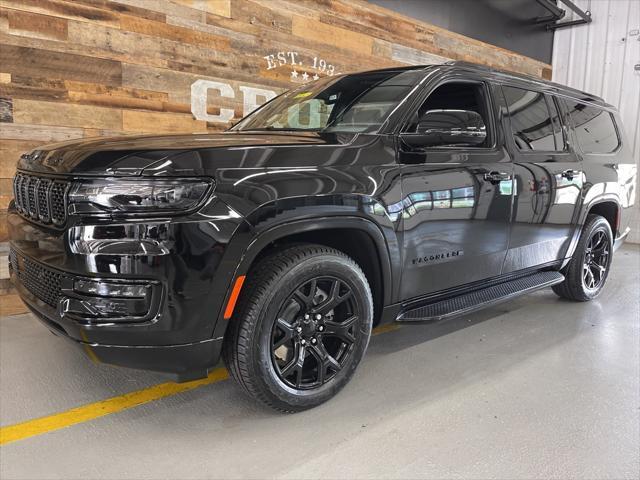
{"x":41,"y":281}
{"x":41,"y":199}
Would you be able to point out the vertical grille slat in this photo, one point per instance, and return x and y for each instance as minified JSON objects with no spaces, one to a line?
{"x":41,"y":199}
{"x":32,"y":185}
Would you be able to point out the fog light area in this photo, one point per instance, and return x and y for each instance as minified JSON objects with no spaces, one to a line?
{"x":134,"y":239}
{"x":105,"y":289}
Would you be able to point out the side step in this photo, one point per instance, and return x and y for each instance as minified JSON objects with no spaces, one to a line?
{"x":478,"y":299}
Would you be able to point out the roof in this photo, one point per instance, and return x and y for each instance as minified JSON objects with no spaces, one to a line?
{"x":569,"y":91}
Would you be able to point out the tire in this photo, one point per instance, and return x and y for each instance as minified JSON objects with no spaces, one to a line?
{"x":268,"y":348}
{"x":579,"y":285}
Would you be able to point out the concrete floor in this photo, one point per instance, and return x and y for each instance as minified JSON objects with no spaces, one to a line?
{"x":535,"y":388}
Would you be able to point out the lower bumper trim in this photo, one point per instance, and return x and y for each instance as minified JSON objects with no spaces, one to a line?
{"x":182,"y":362}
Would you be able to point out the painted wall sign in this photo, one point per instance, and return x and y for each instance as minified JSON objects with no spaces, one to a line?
{"x":252,"y":98}
{"x":314,"y":67}
{"x":302,"y":70}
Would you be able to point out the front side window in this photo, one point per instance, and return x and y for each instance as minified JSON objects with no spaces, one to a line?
{"x":352,"y":103}
{"x":594,"y":127}
{"x":531,"y":122}
{"x":454,"y":114}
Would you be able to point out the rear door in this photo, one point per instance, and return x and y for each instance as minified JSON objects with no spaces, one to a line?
{"x":548,"y":178}
{"x":457,"y":199}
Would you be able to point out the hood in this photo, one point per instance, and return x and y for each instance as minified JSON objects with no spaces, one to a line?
{"x":133,"y":155}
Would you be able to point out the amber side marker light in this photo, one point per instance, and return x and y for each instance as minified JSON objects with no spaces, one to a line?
{"x":235,"y":293}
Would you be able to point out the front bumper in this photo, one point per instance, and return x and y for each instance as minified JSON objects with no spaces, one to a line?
{"x":181,"y":362}
{"x":187,"y":286}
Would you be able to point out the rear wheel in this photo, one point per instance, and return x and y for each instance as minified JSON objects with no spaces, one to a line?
{"x":588,"y":269}
{"x":301,"y":327}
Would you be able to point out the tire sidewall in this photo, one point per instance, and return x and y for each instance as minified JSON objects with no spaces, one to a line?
{"x":316,"y":266}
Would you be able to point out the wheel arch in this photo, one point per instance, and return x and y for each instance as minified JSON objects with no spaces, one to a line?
{"x":357,"y":237}
{"x":609,"y":208}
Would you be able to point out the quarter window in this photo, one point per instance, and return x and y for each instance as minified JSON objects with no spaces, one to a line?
{"x":531,"y":121}
{"x":594,"y":127}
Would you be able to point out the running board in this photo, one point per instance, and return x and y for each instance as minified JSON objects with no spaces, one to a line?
{"x":478,"y":299}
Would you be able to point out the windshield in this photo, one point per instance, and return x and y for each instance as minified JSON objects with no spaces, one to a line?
{"x":351,"y":103}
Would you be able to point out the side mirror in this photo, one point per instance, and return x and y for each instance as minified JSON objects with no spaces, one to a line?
{"x":438,"y":128}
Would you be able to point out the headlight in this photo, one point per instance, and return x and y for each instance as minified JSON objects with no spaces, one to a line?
{"x":137,"y":196}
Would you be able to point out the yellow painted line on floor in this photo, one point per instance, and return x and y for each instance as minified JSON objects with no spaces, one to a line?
{"x":85,"y":413}
{"x":389,"y":327}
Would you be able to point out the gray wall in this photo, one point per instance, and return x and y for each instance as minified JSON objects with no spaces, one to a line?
{"x":505,"y":23}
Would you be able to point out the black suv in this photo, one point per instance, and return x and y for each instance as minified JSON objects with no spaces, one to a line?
{"x":407,"y":194}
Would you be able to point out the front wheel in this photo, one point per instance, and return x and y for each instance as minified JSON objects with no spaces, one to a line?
{"x":588,"y":268}
{"x":301,"y":327}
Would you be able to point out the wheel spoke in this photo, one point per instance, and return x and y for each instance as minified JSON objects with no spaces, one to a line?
{"x":589,"y":280}
{"x":342,"y":329}
{"x":306,"y":300}
{"x":296,"y":364}
{"x":333,"y":299}
{"x":325,"y":360}
{"x":287,"y":329}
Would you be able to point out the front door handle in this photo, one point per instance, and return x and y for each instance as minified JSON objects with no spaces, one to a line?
{"x":495,"y":177}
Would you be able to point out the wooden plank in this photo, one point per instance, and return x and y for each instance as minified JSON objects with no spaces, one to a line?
{"x":45,"y":63}
{"x":172,"y":32}
{"x":6,"y":192}
{"x":256,"y":14}
{"x":37,"y":133}
{"x":167,"y":8}
{"x":98,"y":89}
{"x":216,"y":7}
{"x":69,"y":115}
{"x":64,"y":9}
{"x":37,"y":25}
{"x":6,"y":110}
{"x":20,"y":90}
{"x":10,"y":151}
{"x":411,"y":56}
{"x":121,"y":8}
{"x":136,"y":48}
{"x":340,"y":37}
{"x":152,"y":122}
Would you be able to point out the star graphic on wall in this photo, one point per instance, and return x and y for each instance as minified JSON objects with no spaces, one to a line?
{"x":305,"y":76}
{"x":294,"y":74}
{"x":315,"y":76}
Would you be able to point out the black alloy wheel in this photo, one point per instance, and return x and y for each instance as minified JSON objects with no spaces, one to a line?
{"x":313,"y":335}
{"x":301,"y":326}
{"x":587,"y":271}
{"x":596,"y":260}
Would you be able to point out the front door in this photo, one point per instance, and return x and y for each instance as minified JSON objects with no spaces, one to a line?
{"x":457,"y":198}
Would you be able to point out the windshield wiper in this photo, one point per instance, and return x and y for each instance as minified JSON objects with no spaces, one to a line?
{"x":277,"y":129}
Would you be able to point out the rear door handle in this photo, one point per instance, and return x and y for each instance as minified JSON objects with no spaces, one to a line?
{"x":495,"y":177}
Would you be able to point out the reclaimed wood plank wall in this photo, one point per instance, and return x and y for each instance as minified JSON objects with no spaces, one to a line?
{"x":82,"y":68}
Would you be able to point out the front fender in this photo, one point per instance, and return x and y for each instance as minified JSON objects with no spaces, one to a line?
{"x":249,"y":242}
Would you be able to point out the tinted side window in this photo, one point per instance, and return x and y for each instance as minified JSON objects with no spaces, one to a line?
{"x":595,"y":130}
{"x":455,"y":96}
{"x":531,"y":122}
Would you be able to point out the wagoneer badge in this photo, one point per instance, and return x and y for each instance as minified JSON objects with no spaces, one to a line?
{"x":436,"y":257}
